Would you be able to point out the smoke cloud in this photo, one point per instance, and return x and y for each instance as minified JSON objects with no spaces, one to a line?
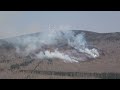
{"x":56,"y":54}
{"x":55,"y":44}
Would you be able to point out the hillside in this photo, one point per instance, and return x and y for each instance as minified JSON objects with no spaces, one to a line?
{"x":107,"y":65}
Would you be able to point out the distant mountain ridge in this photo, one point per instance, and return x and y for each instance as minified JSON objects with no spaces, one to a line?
{"x":89,"y":35}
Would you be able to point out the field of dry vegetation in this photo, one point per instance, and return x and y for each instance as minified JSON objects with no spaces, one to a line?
{"x":107,"y":66}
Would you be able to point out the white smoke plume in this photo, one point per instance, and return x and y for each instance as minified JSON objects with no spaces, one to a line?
{"x":56,"y":54}
{"x":57,"y":39}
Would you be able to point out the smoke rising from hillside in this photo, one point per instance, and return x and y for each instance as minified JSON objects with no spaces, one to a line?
{"x":55,"y":40}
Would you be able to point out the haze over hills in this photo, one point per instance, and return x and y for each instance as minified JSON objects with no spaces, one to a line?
{"x":84,"y":51}
{"x":89,"y":34}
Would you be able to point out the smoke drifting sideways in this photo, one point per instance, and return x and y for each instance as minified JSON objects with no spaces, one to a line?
{"x":40,"y":46}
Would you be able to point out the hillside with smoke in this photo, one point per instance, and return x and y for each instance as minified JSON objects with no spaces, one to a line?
{"x":64,"y":45}
{"x":61,"y":54}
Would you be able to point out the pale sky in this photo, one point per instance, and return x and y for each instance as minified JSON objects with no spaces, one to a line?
{"x":13,"y":23}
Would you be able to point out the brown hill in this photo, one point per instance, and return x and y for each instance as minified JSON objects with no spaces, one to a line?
{"x":107,"y":65}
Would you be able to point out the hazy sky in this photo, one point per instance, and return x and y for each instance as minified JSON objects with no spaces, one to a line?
{"x":14,"y":23}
